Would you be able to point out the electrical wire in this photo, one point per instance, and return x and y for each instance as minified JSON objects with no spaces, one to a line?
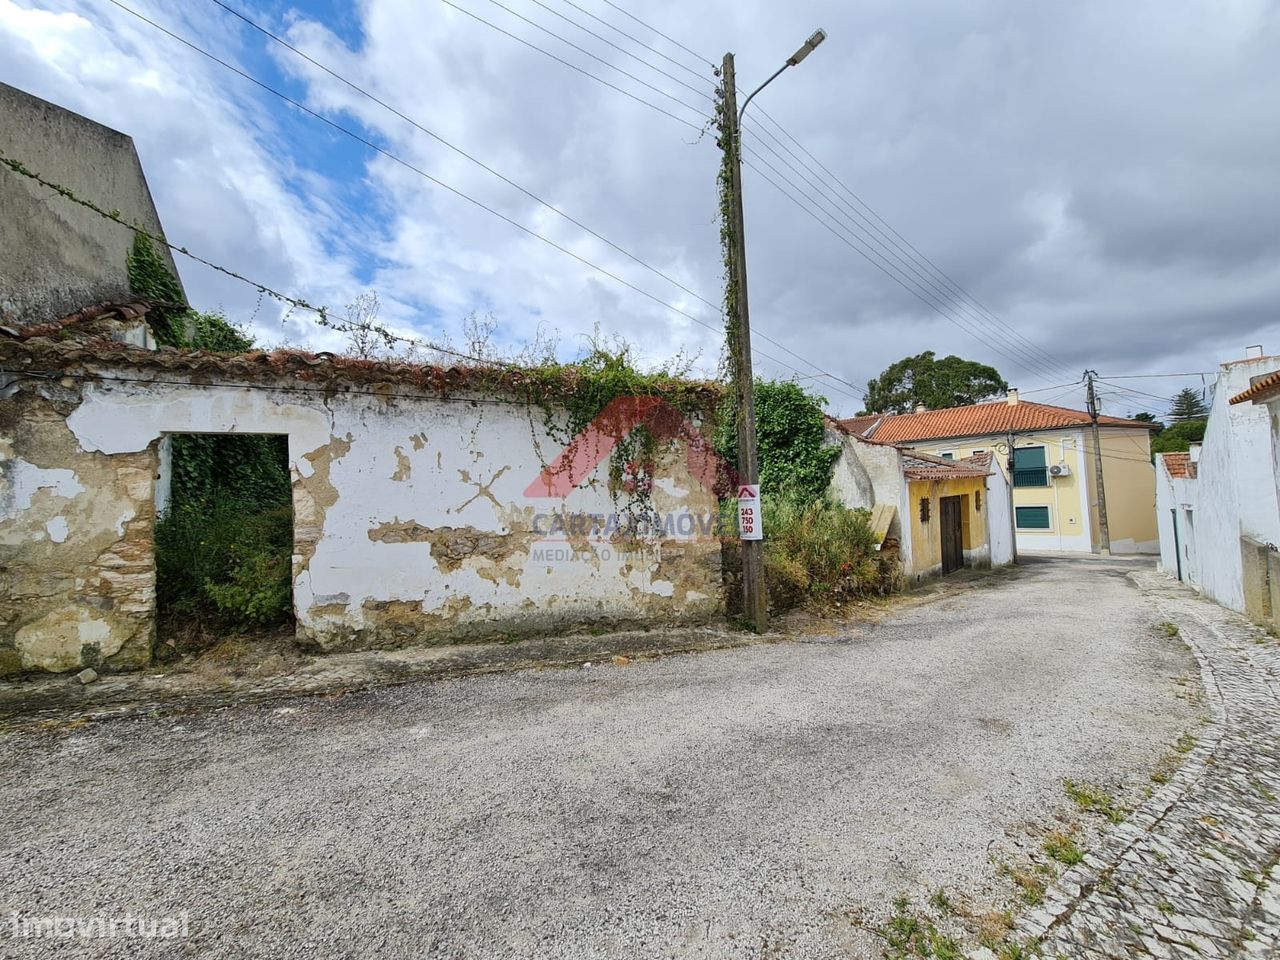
{"x":955,"y":300}
{"x":477,"y":203}
{"x":893,"y":236}
{"x":937,"y":298}
{"x":463,"y":153}
{"x":853,"y":246}
{"x":569,"y":20}
{"x":625,"y":13}
{"x":942,"y":310}
{"x":588,"y":53}
{"x":571,"y":66}
{"x":637,"y":40}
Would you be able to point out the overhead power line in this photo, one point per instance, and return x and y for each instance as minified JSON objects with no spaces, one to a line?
{"x":626,"y":13}
{"x":384,"y":152}
{"x":637,"y":40}
{"x":854,"y":244}
{"x":892,"y":236}
{"x":938,"y":301}
{"x":597,"y":58}
{"x":880,"y":225}
{"x":884,"y":259}
{"x":623,"y":50}
{"x":868,"y":227}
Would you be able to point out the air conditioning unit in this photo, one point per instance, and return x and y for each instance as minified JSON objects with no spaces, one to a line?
{"x":1059,"y":470}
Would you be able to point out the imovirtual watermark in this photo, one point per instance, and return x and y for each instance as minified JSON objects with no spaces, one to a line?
{"x":127,"y":927}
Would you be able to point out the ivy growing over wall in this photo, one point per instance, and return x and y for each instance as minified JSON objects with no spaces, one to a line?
{"x":149,"y":277}
{"x":572,"y":396}
{"x":794,"y":457}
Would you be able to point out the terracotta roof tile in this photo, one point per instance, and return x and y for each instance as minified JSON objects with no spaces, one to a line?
{"x":290,"y":368}
{"x":983,"y":459}
{"x":925,"y":466}
{"x":861,"y":426}
{"x":89,"y":316}
{"x":1263,"y":388}
{"x":1179,"y":465}
{"x":979,"y":419}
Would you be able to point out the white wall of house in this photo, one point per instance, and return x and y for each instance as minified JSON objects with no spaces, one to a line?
{"x":999,"y":517}
{"x":413,"y":518}
{"x":1175,"y":519}
{"x":1234,"y":493}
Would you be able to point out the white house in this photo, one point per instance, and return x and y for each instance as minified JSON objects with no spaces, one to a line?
{"x":1217,"y":506}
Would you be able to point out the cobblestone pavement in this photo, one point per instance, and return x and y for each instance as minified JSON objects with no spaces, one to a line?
{"x":1193,"y":873}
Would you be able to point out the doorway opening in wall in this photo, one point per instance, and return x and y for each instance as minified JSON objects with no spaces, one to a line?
{"x":224,"y":544}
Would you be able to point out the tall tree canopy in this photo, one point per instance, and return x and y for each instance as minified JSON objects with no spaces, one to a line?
{"x":1187,"y":405}
{"x":949,"y":382}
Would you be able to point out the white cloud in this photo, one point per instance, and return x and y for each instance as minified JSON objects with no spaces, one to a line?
{"x":1098,"y":176}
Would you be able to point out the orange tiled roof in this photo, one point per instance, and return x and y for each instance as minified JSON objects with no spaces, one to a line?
{"x":100,"y":312}
{"x":925,"y":466}
{"x":1179,"y":465}
{"x":977,"y":420}
{"x":1261,"y":389}
{"x":983,"y":459}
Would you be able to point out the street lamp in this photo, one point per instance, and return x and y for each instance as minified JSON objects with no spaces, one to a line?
{"x":755,"y":606}
{"x":794,"y":60}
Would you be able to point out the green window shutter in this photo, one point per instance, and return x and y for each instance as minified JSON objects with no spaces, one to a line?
{"x":1031,"y":518}
{"x":1029,"y":468}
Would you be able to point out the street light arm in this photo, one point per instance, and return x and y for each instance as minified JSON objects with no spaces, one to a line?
{"x":776,"y":73}
{"x":806,"y":48}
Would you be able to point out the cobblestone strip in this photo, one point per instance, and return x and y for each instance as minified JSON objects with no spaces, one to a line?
{"x":1195,"y":872}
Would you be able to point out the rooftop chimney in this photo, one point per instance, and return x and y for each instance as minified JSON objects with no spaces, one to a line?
{"x":921,"y":408}
{"x":1013,"y":396}
{"x":1195,"y":452}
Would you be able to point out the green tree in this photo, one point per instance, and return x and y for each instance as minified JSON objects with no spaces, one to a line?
{"x":1149,"y":418}
{"x":949,"y":382}
{"x":791,"y":442}
{"x":1178,"y":437}
{"x":1187,"y":405}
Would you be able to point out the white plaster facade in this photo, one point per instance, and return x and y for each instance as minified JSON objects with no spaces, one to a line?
{"x":1231,"y":496}
{"x":413,"y":519}
{"x":1000,"y":517}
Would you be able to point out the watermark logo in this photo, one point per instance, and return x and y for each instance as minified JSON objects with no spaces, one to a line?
{"x":127,"y":927}
{"x":620,"y":416}
{"x":633,"y":531}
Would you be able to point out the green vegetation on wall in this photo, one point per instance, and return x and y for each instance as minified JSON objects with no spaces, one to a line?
{"x":224,"y":547}
{"x":794,"y":456}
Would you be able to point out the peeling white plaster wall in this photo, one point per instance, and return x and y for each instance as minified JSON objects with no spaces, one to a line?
{"x":434,"y":464}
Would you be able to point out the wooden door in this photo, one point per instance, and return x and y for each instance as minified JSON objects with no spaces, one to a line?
{"x":952,"y":537}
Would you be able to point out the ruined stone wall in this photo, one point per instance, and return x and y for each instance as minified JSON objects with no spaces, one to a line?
{"x":411,"y":520}
{"x":77,"y":571}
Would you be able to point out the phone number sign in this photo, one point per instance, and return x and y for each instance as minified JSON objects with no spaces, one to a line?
{"x":750,"y":526}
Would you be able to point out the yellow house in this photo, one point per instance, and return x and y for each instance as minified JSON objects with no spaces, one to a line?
{"x":1055,"y":494}
{"x":948,"y":509}
{"x":939,"y":514}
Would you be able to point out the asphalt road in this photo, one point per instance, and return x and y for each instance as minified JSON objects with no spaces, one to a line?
{"x":743,"y":803}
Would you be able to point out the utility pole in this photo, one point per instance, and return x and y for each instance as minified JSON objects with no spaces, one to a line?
{"x":1013,"y":510}
{"x":1104,"y":530}
{"x":755,"y":602}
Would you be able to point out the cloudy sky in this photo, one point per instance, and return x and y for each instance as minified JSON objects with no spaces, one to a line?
{"x":1093,"y":184}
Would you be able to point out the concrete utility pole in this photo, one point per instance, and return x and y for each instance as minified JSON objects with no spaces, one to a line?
{"x":1104,"y":530}
{"x":755,"y":601}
